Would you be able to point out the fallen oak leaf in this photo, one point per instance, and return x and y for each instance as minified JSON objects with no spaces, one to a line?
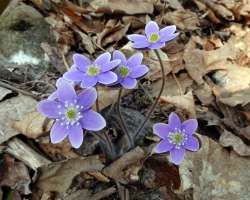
{"x":33,"y":125}
{"x":184,"y":102}
{"x":58,"y":176}
{"x":228,"y":139}
{"x":15,"y":175}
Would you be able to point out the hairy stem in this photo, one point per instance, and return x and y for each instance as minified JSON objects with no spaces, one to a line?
{"x":152,"y":108}
{"x":121,"y":120}
{"x":106,"y":137}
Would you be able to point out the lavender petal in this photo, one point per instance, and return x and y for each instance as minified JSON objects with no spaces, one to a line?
{"x":151,"y":27}
{"x":129,"y":83}
{"x":120,"y":56}
{"x":107,"y":78}
{"x":162,"y":130}
{"x":139,"y":41}
{"x":103,"y":59}
{"x":76,"y":136}
{"x":66,"y":92}
{"x":166,"y":32}
{"x":73,"y":75}
{"x":110,"y":65}
{"x":163,"y":146}
{"x":92,"y":121}
{"x":88,"y":81}
{"x":168,"y":38}
{"x":87,"y":98}
{"x":189,"y":126}
{"x":81,"y":62}
{"x":177,"y":155}
{"x":134,"y":60}
{"x":174,"y":121}
{"x":192,"y":144}
{"x":49,"y":108}
{"x":138,"y":71}
{"x":58,"y":133}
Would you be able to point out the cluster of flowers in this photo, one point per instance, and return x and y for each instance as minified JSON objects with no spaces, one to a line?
{"x":72,"y":110}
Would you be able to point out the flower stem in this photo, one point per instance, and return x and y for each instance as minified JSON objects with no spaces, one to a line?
{"x":106,"y":136}
{"x":152,"y":108}
{"x":121,"y":121}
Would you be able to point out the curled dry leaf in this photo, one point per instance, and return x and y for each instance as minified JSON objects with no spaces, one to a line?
{"x":126,"y":168}
{"x":184,"y":102}
{"x":233,"y":86}
{"x":228,"y":139}
{"x":13,"y":109}
{"x":58,"y":176}
{"x":183,"y":19}
{"x":204,"y":172}
{"x":15,"y":175}
{"x":33,"y":125}
{"x":124,"y":6}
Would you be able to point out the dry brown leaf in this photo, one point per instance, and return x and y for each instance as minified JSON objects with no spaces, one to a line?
{"x":233,"y":86}
{"x":124,"y":6}
{"x":58,"y":176}
{"x":13,"y":109}
{"x":184,"y":102}
{"x":33,"y":125}
{"x":183,"y":19}
{"x":126,"y":168}
{"x":15,"y":175}
{"x":171,"y":88}
{"x":215,"y":173}
{"x":228,"y":139}
{"x":57,"y":152}
{"x":204,"y":93}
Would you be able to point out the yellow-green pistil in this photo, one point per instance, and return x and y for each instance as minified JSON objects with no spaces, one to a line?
{"x":71,"y":114}
{"x":93,"y":70}
{"x":154,"y":37}
{"x":176,"y":138}
{"x":123,"y":71}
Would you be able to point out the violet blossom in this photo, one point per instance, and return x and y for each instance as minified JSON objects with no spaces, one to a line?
{"x":176,"y":137}
{"x":155,"y":38}
{"x":129,"y":70}
{"x":90,"y":73}
{"x":72,"y":114}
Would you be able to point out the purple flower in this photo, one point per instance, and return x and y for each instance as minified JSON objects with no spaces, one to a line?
{"x":90,"y":73}
{"x":176,"y":137}
{"x":155,"y":38}
{"x":129,"y":70}
{"x":72,"y":114}
{"x":54,"y":95}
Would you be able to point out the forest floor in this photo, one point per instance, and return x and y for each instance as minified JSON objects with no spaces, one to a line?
{"x":210,"y":59}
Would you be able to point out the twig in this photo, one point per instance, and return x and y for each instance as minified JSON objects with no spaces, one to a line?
{"x":121,"y":120}
{"x":10,"y":87}
{"x":151,"y":110}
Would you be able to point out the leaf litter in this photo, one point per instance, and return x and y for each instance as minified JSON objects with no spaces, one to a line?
{"x":210,"y":59}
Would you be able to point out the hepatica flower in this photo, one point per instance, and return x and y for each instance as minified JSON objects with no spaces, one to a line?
{"x":155,"y":38}
{"x":176,"y":137}
{"x":129,"y":70}
{"x":90,"y":73}
{"x":72,"y":114}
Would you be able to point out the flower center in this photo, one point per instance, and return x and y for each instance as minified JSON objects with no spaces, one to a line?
{"x":123,"y":71}
{"x":154,"y":37}
{"x":71,"y":113}
{"x":93,"y":70}
{"x":178,"y":138}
